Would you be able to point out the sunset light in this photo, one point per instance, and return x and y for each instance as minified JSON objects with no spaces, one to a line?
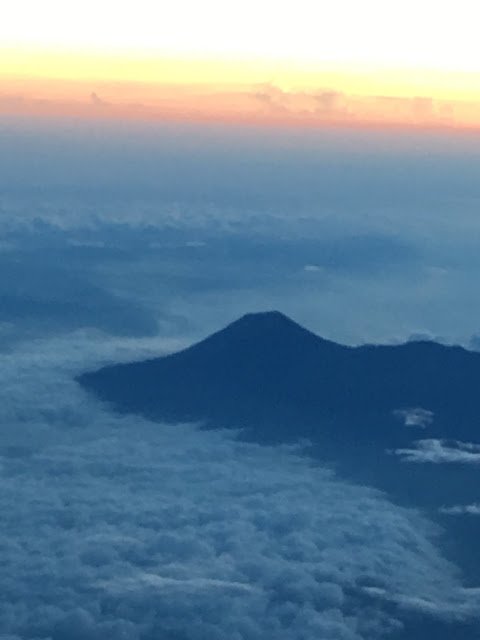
{"x":360,"y":51}
{"x":412,"y":34}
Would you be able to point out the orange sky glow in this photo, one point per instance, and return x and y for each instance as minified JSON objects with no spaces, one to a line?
{"x":380,"y":64}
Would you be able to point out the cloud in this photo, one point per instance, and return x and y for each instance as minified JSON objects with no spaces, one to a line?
{"x":464,"y":606}
{"x":97,"y":101}
{"x":331,"y":101}
{"x":462,"y":509}
{"x":441,"y":451}
{"x":415,"y":417}
{"x":271,"y":99}
{"x":57,"y":288}
{"x":132,"y":274}
{"x":255,"y":257}
{"x":323,"y":105}
{"x":117,"y":527}
{"x":317,"y":105}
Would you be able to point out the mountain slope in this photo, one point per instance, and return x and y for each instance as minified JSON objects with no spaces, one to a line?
{"x":280,"y":382}
{"x":269,"y":374}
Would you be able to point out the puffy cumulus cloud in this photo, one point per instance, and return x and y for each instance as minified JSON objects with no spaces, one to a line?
{"x":324,"y":104}
{"x":441,"y":451}
{"x":327,"y":105}
{"x":415,"y":417}
{"x":114,"y":527}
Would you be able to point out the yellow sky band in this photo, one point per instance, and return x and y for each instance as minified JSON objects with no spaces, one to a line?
{"x":358,"y":80}
{"x":140,"y":86}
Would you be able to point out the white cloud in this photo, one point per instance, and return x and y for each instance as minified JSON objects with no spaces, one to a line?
{"x":116,"y":527}
{"x":415,"y":417}
{"x":464,"y":604}
{"x":441,"y":451}
{"x":462,"y":509}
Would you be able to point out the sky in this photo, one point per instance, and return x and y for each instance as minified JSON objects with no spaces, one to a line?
{"x":372,"y":63}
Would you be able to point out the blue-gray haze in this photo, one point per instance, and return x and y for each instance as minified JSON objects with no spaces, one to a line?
{"x":120,"y":241}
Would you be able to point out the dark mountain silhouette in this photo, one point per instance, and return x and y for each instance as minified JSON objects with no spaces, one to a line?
{"x":268,"y":374}
{"x":280,"y":382}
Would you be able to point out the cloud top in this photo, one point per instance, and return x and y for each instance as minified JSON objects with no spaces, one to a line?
{"x":117,"y":527}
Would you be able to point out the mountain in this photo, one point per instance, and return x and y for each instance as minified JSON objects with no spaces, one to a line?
{"x":268,"y":374}
{"x":356,"y":405}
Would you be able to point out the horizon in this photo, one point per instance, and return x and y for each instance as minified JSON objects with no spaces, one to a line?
{"x":192,"y":63}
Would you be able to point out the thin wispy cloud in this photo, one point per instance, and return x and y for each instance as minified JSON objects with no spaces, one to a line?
{"x":415,"y":417}
{"x":436,"y":451}
{"x":462,"y":509}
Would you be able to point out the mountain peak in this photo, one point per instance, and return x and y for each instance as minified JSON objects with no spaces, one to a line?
{"x":267,"y":372}
{"x":266,"y":320}
{"x":268,"y":316}
{"x":263,"y":330}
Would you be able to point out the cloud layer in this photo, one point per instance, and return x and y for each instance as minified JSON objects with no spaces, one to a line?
{"x":208,"y":222}
{"x":115,"y":527}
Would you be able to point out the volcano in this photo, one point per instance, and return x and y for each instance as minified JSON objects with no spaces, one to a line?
{"x":267,"y":374}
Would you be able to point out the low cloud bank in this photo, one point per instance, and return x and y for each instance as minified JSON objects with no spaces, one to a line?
{"x":116,"y":527}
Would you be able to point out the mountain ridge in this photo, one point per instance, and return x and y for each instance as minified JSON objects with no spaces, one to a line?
{"x":265,"y":372}
{"x":356,"y":406}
